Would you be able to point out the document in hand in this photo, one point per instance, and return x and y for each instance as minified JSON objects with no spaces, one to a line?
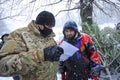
{"x":69,"y":50}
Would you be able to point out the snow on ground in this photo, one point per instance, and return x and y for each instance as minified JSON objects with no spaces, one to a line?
{"x":6,"y":78}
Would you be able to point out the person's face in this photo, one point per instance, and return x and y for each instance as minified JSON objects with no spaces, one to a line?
{"x":44,"y":29}
{"x":69,"y":33}
{"x":5,"y":38}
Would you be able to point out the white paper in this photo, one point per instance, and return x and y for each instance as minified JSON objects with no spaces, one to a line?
{"x":69,"y":50}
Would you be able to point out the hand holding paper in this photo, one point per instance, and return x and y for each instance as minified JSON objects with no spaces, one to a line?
{"x":69,"y":50}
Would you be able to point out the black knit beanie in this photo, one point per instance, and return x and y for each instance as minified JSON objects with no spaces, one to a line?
{"x":45,"y":18}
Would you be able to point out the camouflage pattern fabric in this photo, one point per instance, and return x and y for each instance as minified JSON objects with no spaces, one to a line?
{"x":22,"y":55}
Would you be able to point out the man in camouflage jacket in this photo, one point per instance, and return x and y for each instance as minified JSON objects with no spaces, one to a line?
{"x":23,"y":54}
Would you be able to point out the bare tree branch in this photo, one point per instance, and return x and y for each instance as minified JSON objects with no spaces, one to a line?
{"x":98,"y":6}
{"x":11,"y":16}
{"x":53,"y":3}
{"x":3,"y":2}
{"x":67,"y":10}
{"x":32,"y":1}
{"x":113,"y":4}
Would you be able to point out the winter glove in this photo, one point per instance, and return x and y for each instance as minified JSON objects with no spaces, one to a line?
{"x":95,"y":71}
{"x":90,"y":46}
{"x":52,"y":53}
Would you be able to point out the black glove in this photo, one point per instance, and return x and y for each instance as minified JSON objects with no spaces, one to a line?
{"x":52,"y":53}
{"x":95,"y":71}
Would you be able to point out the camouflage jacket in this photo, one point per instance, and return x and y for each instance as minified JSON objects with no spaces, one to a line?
{"x":23,"y":55}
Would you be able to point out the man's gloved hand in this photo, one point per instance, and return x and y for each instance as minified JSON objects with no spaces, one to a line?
{"x":53,"y":53}
{"x":95,"y":71}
